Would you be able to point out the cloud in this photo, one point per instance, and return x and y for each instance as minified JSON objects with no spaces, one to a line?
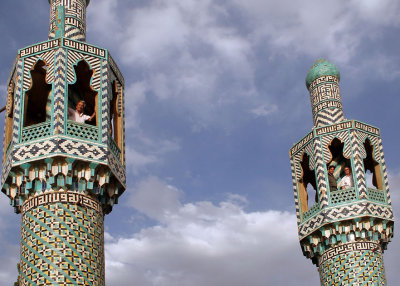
{"x":154,"y":198}
{"x":264,"y":110}
{"x":206,"y":244}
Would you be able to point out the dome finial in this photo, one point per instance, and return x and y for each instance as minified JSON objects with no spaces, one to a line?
{"x":320,"y":68}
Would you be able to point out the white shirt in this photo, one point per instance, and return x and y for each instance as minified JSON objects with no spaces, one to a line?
{"x":347,"y":182}
{"x":76,"y":116}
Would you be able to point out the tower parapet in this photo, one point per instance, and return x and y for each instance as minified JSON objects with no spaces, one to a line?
{"x":343,"y":228}
{"x":63,"y":174}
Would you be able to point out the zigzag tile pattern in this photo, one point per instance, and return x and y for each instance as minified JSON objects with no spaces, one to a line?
{"x":59,"y":92}
{"x":358,"y":165}
{"x":105,"y":102}
{"x":363,"y":136}
{"x":308,"y":149}
{"x":63,"y":146}
{"x":328,"y":116}
{"x":62,"y":244}
{"x":29,"y":63}
{"x":327,"y":139}
{"x":17,"y":106}
{"x":320,"y":172}
{"x":338,"y":213}
{"x":354,"y":268}
{"x":94,"y":63}
{"x":296,"y":197}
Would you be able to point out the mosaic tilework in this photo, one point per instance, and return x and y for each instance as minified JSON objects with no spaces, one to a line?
{"x":355,"y":264}
{"x":320,"y":173}
{"x":326,"y":101}
{"x":358,"y":165}
{"x":105,"y":102}
{"x":29,"y":63}
{"x":338,"y":213}
{"x":94,"y":63}
{"x":68,"y":147}
{"x":59,"y":92}
{"x":327,"y":140}
{"x":75,"y":19}
{"x":62,"y":244}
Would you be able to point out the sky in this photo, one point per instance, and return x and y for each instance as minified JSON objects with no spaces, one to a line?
{"x":215,"y":97}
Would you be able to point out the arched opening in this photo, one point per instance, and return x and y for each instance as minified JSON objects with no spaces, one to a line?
{"x":9,"y":116}
{"x":37,"y":104}
{"x":81,"y":90}
{"x":307,"y":185}
{"x":338,"y":160}
{"x":372,"y":168}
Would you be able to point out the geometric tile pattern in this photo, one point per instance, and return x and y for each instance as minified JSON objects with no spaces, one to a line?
{"x":358,"y":164}
{"x":62,"y":244}
{"x":75,"y":19}
{"x":337,"y":213}
{"x":356,"y":264}
{"x":105,"y":102}
{"x":326,"y":101}
{"x":63,"y":146}
{"x":374,"y":142}
{"x":327,"y":140}
{"x":29,"y":63}
{"x":94,"y":64}
{"x":59,"y":92}
{"x":320,"y":173}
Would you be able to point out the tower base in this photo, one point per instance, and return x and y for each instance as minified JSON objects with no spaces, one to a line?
{"x":62,"y":240}
{"x":356,"y":264}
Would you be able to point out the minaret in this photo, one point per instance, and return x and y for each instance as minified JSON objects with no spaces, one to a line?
{"x":343,"y":229}
{"x":62,"y":175}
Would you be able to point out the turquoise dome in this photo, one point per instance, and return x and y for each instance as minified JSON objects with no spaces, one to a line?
{"x":320,"y":68}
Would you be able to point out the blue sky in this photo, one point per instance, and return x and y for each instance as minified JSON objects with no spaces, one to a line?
{"x":215,"y":97}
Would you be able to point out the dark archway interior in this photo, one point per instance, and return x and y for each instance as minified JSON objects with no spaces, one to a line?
{"x":37,"y":106}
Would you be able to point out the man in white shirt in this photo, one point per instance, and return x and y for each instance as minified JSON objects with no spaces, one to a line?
{"x":77,"y":114}
{"x":347,"y":180}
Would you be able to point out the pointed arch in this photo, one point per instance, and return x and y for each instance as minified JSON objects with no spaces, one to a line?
{"x":37,"y":103}
{"x":82,"y":90}
{"x":337,"y":158}
{"x":307,"y":179}
{"x":370,"y":164}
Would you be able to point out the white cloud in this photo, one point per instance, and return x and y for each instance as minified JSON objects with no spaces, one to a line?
{"x":205,"y":244}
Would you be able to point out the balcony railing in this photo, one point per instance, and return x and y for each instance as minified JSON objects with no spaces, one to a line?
{"x":82,"y":130}
{"x":312,"y":211}
{"x":376,"y":195}
{"x":343,"y":196}
{"x":36,"y":131}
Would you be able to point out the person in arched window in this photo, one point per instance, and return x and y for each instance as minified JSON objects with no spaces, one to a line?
{"x":331,"y":178}
{"x":347,"y":180}
{"x":77,"y":115}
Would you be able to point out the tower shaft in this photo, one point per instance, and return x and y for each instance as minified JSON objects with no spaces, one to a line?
{"x":68,"y":19}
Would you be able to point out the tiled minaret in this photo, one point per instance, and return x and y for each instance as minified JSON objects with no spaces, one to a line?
{"x":343,"y":229}
{"x":63,"y":176}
